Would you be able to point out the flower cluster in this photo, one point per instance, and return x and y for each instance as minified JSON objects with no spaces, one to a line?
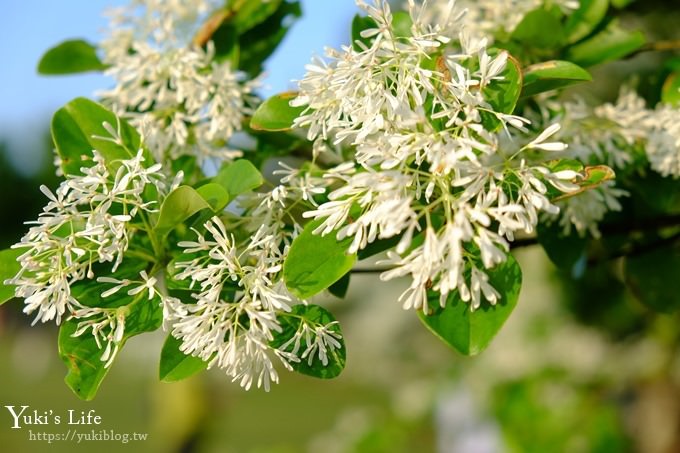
{"x":432,"y":152}
{"x":239,"y":299}
{"x":613,"y":133}
{"x":486,"y":17}
{"x":183,"y":100}
{"x":89,"y":219}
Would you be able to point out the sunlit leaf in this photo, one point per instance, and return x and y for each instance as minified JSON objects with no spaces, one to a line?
{"x":276,"y":113}
{"x":470,"y":332}
{"x":70,"y":57}
{"x":551,"y":75}
{"x":311,"y":365}
{"x":610,"y":44}
{"x":315,"y":262}
{"x":176,"y":365}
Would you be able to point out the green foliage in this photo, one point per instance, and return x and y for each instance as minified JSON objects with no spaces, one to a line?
{"x":239,"y":177}
{"x":176,"y":365}
{"x":567,"y":251}
{"x":8,"y":269}
{"x":470,"y":332}
{"x":503,"y":94}
{"x":670,"y":93}
{"x":612,"y":43}
{"x":247,"y":32}
{"x":585,"y":19}
{"x":215,"y":195}
{"x":82,"y":355}
{"x":551,"y":75}
{"x":178,"y":206}
{"x":359,"y":24}
{"x":339,"y":288}
{"x":312,"y":365}
{"x":561,"y":412}
{"x":315,"y":262}
{"x":70,"y":57}
{"x":77,"y":129}
{"x":259,"y":42}
{"x":539,"y":29}
{"x":276,"y":113}
{"x":653,"y":278}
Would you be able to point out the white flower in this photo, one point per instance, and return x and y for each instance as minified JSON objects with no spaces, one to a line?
{"x":81,"y":225}
{"x":183,"y":101}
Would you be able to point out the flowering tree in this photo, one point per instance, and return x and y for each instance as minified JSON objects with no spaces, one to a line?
{"x":439,"y":138}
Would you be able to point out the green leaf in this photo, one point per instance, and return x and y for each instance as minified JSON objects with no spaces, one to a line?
{"x":670,"y":92}
{"x":315,"y":262}
{"x":88,"y":291}
{"x":179,"y":205}
{"x":316,"y":316}
{"x":9,"y":267}
{"x":339,"y":288}
{"x":359,"y":24}
{"x":551,"y":75}
{"x":176,"y":365}
{"x":653,"y":278}
{"x":250,"y":13}
{"x":620,"y":4}
{"x":592,"y":176}
{"x":215,"y":195}
{"x":539,"y":29}
{"x":610,"y":44}
{"x":77,"y":129}
{"x":585,"y":19}
{"x":258,"y":43}
{"x":239,"y":177}
{"x":503,"y":94}
{"x":70,"y":57}
{"x":565,"y":251}
{"x":276,"y":113}
{"x":82,"y":356}
{"x":470,"y":332}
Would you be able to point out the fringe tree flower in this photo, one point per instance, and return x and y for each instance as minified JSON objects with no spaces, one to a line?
{"x":418,"y":113}
{"x":183,"y":100}
{"x":86,"y":221}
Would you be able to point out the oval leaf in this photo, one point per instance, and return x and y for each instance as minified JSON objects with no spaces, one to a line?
{"x":610,"y":44}
{"x":70,"y":57}
{"x":315,"y":262}
{"x":470,"y":332}
{"x":179,"y":205}
{"x":551,"y":75}
{"x":312,"y":315}
{"x":82,"y":356}
{"x":176,"y":365}
{"x":276,"y":113}
{"x":78,"y":128}
{"x":239,"y":177}
{"x":503,"y":94}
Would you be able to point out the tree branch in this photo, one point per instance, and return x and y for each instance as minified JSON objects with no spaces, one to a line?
{"x":638,"y":225}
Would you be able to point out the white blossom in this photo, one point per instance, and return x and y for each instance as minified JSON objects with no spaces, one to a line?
{"x":87,"y":220}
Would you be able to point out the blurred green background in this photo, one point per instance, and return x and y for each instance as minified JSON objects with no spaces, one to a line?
{"x":580,"y":366}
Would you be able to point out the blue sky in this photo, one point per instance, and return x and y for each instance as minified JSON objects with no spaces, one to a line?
{"x":29,"y":27}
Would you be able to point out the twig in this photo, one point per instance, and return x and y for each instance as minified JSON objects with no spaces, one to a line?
{"x":608,"y":229}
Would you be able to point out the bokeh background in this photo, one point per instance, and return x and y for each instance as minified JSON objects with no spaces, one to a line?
{"x":580,"y":366}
